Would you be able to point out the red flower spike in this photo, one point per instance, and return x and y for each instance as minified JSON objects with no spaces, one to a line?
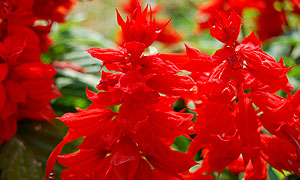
{"x":226,"y":30}
{"x":238,"y":75}
{"x":133,"y":140}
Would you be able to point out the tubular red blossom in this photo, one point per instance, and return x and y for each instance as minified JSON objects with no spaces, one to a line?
{"x":132,"y":143}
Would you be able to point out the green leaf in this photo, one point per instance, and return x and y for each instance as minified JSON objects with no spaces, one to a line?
{"x":26,"y":154}
{"x":181,"y":143}
{"x":272,"y":175}
{"x":18,"y":162}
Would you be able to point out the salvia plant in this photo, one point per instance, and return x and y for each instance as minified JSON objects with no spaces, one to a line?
{"x":240,"y":111}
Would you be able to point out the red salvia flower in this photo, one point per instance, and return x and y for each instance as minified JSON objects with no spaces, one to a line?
{"x":26,"y":84}
{"x":228,"y":125}
{"x":132,"y":143}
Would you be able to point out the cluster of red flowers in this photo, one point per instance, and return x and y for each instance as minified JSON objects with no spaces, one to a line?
{"x":26,"y":84}
{"x":241,"y":123}
{"x":132,"y":143}
{"x":228,"y":124}
{"x":271,"y":21}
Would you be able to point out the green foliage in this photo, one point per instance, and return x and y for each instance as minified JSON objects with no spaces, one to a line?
{"x":18,"y":162}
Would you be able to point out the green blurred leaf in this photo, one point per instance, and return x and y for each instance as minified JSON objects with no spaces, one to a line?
{"x":18,"y":162}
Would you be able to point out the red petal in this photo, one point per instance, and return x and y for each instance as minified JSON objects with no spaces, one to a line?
{"x":3,"y":71}
{"x":248,"y":129}
{"x":172,"y":84}
{"x":107,"y":99}
{"x":251,"y":42}
{"x":34,"y":71}
{"x":15,"y":91}
{"x":171,"y":124}
{"x":132,"y":82}
{"x":144,"y":171}
{"x":158,"y":64}
{"x":132,"y":116}
{"x":85,"y":118}
{"x":279,"y":153}
{"x":3,"y":96}
{"x":225,"y":29}
{"x":108,"y":55}
{"x":125,"y":159}
{"x":82,"y":157}
{"x":165,"y":159}
{"x":256,"y":170}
